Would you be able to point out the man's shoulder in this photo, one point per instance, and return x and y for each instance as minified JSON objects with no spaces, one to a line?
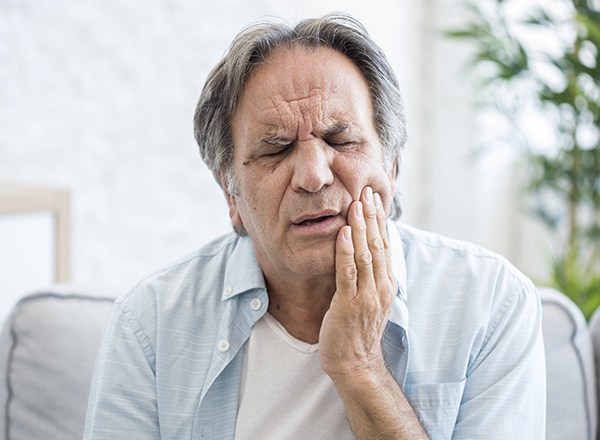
{"x":454,"y":279}
{"x":186,"y":274}
{"x":418,"y":240}
{"x":412,"y":236}
{"x":218,"y":249}
{"x":431,"y":251}
{"x":221,"y":246}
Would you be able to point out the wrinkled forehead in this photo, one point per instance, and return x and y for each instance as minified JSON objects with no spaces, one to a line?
{"x":305,"y":81}
{"x":297,"y":63}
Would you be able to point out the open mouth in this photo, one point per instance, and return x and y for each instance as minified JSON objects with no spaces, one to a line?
{"x":317,"y":221}
{"x":312,"y":221}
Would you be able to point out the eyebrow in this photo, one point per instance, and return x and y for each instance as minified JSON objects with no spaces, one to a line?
{"x":274,"y":139}
{"x":335,"y":129}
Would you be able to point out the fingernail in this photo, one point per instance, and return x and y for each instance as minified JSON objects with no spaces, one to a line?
{"x":346,"y":233}
{"x":368,"y":195}
{"x":359,"y":210}
{"x":378,"y":203}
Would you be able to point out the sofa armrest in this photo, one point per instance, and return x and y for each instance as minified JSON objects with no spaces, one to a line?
{"x":48,"y":347}
{"x":570,"y":370}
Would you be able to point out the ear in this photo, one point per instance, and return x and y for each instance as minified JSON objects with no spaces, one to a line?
{"x":234,"y":214}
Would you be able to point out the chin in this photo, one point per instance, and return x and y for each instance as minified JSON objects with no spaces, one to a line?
{"x":320,"y":269}
{"x":318,"y":263}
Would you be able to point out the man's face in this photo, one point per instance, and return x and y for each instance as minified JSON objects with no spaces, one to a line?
{"x":305,"y":146}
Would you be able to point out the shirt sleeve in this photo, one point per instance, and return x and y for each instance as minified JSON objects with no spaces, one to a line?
{"x":122,"y":402}
{"x":505,"y":391}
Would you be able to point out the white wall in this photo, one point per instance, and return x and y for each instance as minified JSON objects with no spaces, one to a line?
{"x":98,"y":97}
{"x":458,"y":186}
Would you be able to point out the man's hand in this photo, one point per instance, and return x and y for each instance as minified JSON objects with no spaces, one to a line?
{"x":350,"y":337}
{"x":352,"y":329}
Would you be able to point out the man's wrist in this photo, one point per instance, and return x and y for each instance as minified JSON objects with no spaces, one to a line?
{"x":369,"y":375}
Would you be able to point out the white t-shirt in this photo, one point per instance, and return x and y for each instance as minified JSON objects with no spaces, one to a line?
{"x":285,"y":394}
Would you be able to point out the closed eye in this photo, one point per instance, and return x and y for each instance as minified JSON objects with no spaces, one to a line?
{"x":276,"y":149}
{"x":339,"y":144}
{"x":275,"y":153}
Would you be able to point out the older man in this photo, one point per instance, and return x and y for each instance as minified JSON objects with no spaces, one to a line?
{"x":320,"y":318}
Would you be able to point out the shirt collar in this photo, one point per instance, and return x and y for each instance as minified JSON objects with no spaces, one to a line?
{"x":243,"y":273}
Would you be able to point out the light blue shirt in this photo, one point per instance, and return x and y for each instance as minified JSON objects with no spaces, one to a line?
{"x":463,"y":341}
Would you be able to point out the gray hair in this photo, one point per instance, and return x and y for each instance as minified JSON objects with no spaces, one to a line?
{"x":253,"y":45}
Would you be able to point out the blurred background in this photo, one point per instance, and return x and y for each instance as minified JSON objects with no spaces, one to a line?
{"x":96,"y":106}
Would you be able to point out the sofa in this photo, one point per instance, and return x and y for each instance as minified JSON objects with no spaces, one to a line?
{"x":48,"y":347}
{"x":49,"y":342}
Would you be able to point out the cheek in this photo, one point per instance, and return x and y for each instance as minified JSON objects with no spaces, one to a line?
{"x":258,"y":207}
{"x":355,"y":176}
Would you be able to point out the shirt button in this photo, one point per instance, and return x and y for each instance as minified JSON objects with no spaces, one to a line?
{"x":223,"y":345}
{"x":255,"y":304}
{"x":227,"y":292}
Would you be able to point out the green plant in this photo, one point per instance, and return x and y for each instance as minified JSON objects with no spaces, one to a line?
{"x":545,"y":61}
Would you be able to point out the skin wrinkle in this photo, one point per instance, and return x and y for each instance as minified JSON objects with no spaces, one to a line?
{"x":296,"y":109}
{"x":282,"y":103}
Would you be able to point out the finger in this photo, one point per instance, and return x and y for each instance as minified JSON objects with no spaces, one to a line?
{"x":374,"y":237}
{"x":346,"y":273}
{"x":362,"y":254}
{"x":382,"y":221}
{"x":381,"y":218}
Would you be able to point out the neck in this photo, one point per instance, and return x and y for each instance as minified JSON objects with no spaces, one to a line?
{"x":300,"y":304}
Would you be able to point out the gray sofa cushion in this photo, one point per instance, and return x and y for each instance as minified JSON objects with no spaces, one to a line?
{"x":48,"y":347}
{"x":572,"y":405}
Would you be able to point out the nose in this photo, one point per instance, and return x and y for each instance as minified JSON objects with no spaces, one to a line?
{"x":312,"y":167}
